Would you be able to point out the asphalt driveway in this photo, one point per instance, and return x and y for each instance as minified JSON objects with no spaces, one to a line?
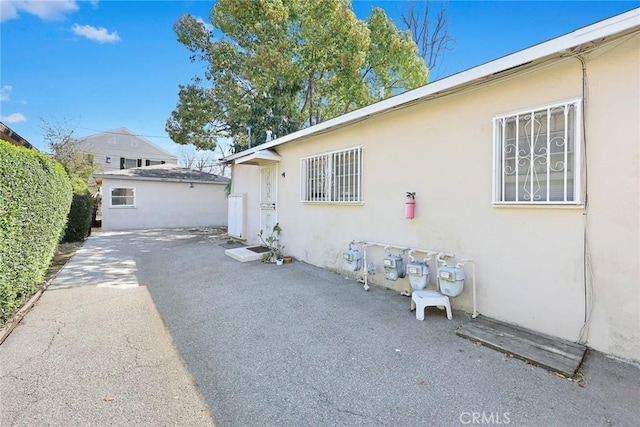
{"x":295,"y":345}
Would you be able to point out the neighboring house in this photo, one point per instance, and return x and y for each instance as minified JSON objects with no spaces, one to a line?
{"x":528,"y":164}
{"x":9,"y":135}
{"x":162,"y":196}
{"x":122,"y":149}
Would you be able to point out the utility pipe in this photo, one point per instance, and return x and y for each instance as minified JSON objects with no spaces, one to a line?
{"x":386,"y":246}
{"x":422,"y":251}
{"x":473,"y":276}
{"x":365,"y":266}
{"x":439,"y":259}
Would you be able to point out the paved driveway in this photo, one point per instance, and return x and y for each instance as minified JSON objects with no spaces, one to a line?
{"x":295,"y":345}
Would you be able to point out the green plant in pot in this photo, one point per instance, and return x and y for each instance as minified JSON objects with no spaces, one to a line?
{"x":272,"y":242}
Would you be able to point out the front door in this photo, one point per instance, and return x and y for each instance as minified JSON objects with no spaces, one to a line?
{"x":268,"y":197}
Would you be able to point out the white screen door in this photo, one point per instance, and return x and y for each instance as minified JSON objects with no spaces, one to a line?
{"x":268,"y":197}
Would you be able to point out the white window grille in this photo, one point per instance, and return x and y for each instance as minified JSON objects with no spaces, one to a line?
{"x":537,"y":156}
{"x":334,"y":177}
{"x":123,"y":197}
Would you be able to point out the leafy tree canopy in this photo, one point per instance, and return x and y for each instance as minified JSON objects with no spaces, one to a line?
{"x":283,"y":65}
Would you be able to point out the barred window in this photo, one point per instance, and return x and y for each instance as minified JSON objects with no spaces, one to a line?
{"x":537,"y":156}
{"x":334,"y":177}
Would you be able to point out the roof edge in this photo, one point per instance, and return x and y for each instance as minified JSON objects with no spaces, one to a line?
{"x":599,"y":30}
{"x":147,"y":178}
{"x":122,"y":131}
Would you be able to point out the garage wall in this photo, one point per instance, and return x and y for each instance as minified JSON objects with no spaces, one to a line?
{"x":161,"y":204}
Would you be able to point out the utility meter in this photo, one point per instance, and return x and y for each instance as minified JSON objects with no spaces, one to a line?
{"x":418,"y":273}
{"x":451,"y":280}
{"x":352,"y":259}
{"x":393,"y":267}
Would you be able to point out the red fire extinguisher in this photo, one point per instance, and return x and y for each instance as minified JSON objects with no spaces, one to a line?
{"x":410,"y":206}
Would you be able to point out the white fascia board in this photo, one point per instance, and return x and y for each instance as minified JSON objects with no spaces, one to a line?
{"x":599,"y":30}
{"x":260,"y":156}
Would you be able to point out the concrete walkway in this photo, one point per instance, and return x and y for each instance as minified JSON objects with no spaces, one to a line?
{"x":94,"y":351}
{"x":268,"y":345}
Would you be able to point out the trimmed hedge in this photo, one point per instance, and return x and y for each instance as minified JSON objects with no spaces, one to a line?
{"x":35,"y":196}
{"x":79,"y":218}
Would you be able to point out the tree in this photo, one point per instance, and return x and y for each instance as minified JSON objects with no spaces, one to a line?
{"x":77,"y":163}
{"x":284,"y":65}
{"x":205,"y":161}
{"x":430,"y":34}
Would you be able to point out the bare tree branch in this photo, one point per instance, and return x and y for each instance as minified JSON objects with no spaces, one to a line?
{"x":430,"y":33}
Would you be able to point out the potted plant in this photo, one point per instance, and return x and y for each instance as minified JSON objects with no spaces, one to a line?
{"x":272,"y":242}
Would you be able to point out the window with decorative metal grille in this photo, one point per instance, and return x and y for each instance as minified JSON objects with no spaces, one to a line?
{"x":334,"y":177}
{"x":537,"y":156}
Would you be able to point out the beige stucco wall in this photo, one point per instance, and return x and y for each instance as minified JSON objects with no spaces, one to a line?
{"x":246,"y":180}
{"x":613,"y":221}
{"x":165,"y":205}
{"x":530,"y":261}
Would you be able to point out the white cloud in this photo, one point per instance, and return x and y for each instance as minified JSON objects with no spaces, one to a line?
{"x":206,"y":25}
{"x":5,"y":93}
{"x":13,"y":118}
{"x":47,"y":10}
{"x":100,"y":35}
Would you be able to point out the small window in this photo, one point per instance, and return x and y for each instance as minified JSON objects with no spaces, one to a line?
{"x":537,"y":156}
{"x":334,"y":177}
{"x":123,"y":197}
{"x":153,"y":162}
{"x":108,"y":160}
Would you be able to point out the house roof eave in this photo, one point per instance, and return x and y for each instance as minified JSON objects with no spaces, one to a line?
{"x":558,"y":47}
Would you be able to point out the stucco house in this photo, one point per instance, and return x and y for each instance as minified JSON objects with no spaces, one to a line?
{"x":528,"y":164}
{"x":162,"y":196}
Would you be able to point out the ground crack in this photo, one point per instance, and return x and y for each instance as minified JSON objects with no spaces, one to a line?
{"x":61,"y":326}
{"x":326,"y":400}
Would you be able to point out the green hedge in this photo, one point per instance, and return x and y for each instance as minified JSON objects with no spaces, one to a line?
{"x":35,"y":196}
{"x":79,"y":218}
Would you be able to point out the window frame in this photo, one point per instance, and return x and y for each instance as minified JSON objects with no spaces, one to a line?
{"x":131,"y":206}
{"x":123,"y":163}
{"x":575,"y":132}
{"x":331,"y":188}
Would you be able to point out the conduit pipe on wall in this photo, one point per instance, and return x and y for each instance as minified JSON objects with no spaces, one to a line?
{"x":473,"y":278}
{"x":386,"y":246}
{"x":440,"y":259}
{"x":365,"y":245}
{"x":438,"y":254}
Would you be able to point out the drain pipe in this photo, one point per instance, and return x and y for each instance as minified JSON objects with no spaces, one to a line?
{"x":473,"y":276}
{"x":365,"y":266}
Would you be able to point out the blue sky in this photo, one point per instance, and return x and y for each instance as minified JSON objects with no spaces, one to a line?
{"x":101,"y":65}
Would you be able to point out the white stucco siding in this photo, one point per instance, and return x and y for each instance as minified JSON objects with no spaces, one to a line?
{"x":246,"y":179}
{"x":613,"y":146}
{"x":161,"y":204}
{"x":530,"y":260}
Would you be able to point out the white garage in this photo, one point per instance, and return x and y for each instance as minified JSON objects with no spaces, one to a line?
{"x":162,"y":196}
